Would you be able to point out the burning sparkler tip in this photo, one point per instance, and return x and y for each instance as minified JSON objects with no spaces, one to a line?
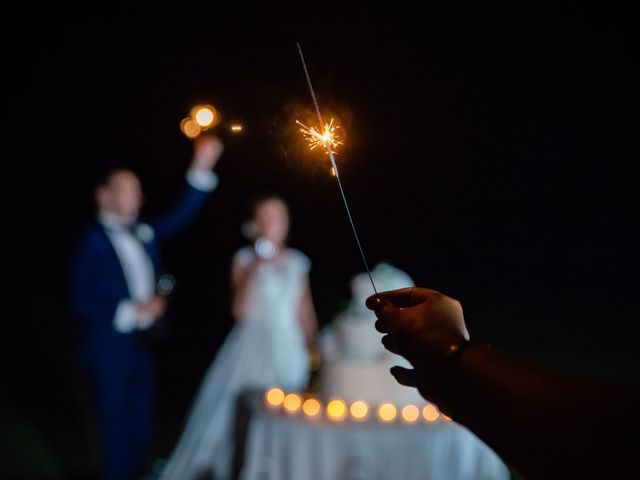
{"x":327,"y":138}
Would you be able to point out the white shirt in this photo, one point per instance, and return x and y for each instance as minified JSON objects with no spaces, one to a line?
{"x":137,"y":267}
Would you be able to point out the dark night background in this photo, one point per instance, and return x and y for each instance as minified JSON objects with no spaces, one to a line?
{"x":491,"y":153}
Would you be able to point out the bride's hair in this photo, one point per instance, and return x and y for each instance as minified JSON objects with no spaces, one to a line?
{"x":268,"y":197}
{"x":248,"y":227}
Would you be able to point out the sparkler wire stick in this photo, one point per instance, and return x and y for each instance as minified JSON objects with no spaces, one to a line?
{"x":335,"y":168}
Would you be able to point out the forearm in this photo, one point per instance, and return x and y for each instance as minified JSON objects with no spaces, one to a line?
{"x":183,"y":212}
{"x":545,"y":424}
{"x":542,"y":422}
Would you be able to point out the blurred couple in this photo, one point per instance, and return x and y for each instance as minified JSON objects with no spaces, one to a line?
{"x":115,"y":296}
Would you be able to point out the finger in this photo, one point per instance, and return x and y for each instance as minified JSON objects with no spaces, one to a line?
{"x":381,"y":326}
{"x":392,"y":320}
{"x":376,"y":302}
{"x":391,"y":345}
{"x":403,"y":298}
{"x":405,"y":376}
{"x":390,"y":317}
{"x":380,"y":300}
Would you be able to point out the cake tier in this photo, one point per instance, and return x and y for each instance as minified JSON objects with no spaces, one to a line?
{"x":368,"y":381}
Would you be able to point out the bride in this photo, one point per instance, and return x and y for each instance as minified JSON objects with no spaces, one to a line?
{"x":275,"y":322}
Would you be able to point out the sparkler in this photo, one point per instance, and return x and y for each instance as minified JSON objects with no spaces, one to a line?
{"x":329,"y":141}
{"x":316,"y":139}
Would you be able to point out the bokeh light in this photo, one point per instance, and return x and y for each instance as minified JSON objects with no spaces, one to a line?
{"x":359,"y":410}
{"x":273,"y":397}
{"x":190,"y":128}
{"x":311,"y":407}
{"x":292,"y":402}
{"x":204,"y":115}
{"x":430,"y":413}
{"x":336,"y":409}
{"x":410,"y":413}
{"x":236,"y":128}
{"x":387,"y":412}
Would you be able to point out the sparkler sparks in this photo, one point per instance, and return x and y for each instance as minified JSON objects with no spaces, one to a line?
{"x":329,"y":135}
{"x":326,"y":139}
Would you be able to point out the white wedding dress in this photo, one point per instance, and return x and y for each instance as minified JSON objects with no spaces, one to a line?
{"x":265,"y":348}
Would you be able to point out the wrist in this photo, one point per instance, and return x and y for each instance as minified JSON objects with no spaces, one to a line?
{"x":441,"y":347}
{"x":455,"y":350}
{"x":446,"y":368}
{"x":202,"y":179}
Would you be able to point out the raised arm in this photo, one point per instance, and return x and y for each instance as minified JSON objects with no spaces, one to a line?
{"x":201,"y":181}
{"x":545,"y":424}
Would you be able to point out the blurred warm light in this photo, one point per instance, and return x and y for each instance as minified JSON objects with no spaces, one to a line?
{"x":190,"y":128}
{"x":292,"y":402}
{"x":329,"y":136}
{"x":274,"y":397}
{"x":359,"y":410}
{"x":448,"y":419}
{"x":410,"y":414}
{"x":336,"y":409}
{"x":311,"y":407}
{"x":387,"y":412}
{"x":430,"y":413}
{"x":333,"y":171}
{"x":236,"y":128}
{"x":204,"y":115}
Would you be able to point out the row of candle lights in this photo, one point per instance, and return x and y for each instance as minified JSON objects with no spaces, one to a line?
{"x":338,"y":410}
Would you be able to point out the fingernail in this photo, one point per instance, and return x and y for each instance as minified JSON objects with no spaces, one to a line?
{"x":376,"y":302}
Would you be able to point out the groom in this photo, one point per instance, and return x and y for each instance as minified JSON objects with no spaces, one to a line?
{"x":113,"y":294}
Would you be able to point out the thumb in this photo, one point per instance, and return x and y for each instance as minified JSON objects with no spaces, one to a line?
{"x":376,"y":302}
{"x":405,"y":376}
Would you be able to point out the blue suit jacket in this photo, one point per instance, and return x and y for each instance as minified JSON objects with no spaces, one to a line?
{"x":98,"y":283}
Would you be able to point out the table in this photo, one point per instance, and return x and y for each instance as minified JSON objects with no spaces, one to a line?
{"x":281,"y":446}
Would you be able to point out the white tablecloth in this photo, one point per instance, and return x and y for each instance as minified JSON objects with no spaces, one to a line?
{"x":281,"y":447}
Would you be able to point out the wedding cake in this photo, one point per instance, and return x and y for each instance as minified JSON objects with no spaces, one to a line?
{"x":355,"y":365}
